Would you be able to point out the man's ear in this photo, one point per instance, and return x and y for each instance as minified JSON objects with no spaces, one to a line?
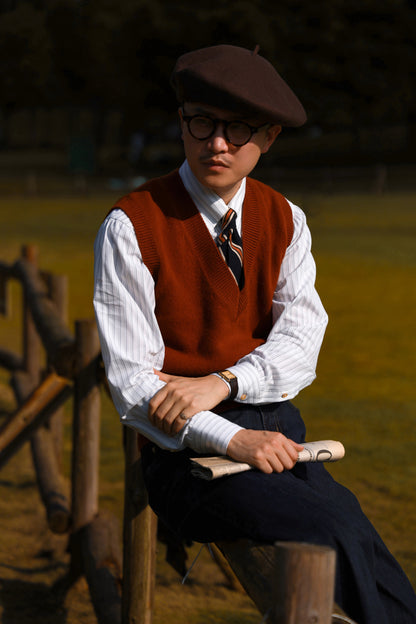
{"x":272,"y":133}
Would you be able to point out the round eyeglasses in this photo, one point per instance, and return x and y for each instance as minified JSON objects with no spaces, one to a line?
{"x":238,"y":133}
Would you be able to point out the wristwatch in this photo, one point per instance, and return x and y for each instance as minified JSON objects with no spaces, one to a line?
{"x":231,"y":380}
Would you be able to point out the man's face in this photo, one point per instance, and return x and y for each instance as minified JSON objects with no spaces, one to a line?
{"x":216,"y":163}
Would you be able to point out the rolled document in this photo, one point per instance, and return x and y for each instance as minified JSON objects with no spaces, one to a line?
{"x":323,"y":450}
{"x":220,"y":466}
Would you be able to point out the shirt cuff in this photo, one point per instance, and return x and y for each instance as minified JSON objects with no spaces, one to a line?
{"x":207,"y":432}
{"x":249,"y":387}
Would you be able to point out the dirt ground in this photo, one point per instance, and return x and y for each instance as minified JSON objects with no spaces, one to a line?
{"x":32,"y":559}
{"x":34,"y":563}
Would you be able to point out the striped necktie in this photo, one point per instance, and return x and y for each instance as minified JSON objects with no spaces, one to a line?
{"x":231,"y":247}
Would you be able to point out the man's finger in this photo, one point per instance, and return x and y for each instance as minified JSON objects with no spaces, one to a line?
{"x":155,"y":402}
{"x":172,"y":422}
{"x":164,"y":376}
{"x":183,"y":416}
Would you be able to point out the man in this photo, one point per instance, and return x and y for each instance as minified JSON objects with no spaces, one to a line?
{"x":210,"y":323}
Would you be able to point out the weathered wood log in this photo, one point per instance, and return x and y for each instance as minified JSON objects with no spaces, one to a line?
{"x":50,"y":481}
{"x":56,"y":337}
{"x":10,"y":360}
{"x":52,"y":487}
{"x":139,"y":537}
{"x":102,"y":565}
{"x":4,"y":295}
{"x":47,"y":397}
{"x":31,"y":341}
{"x":23,"y":386}
{"x":254,"y":565}
{"x":257,"y":568}
{"x":232,"y":580}
{"x":86,"y":426}
{"x":58,"y":292}
{"x":304,"y":584}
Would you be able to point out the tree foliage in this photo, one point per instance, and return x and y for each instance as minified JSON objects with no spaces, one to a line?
{"x":350,"y":61}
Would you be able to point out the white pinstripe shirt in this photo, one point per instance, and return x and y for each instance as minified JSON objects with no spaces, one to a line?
{"x":132,"y":344}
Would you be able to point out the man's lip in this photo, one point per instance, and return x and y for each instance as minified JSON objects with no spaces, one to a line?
{"x":214,"y":163}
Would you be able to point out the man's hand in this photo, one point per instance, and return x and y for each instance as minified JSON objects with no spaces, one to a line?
{"x":183,"y":397}
{"x":269,"y":451}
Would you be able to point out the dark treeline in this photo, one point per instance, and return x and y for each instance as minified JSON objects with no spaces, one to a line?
{"x":350,"y":61}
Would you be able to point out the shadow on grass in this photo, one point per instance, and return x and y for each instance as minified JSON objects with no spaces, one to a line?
{"x":224,"y":617}
{"x":26,"y":602}
{"x":20,"y":486}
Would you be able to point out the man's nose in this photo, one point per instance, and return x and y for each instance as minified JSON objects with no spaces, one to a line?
{"x":218,"y":140}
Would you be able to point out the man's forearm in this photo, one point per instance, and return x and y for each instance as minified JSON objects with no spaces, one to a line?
{"x":285,"y":364}
{"x":183,"y":397}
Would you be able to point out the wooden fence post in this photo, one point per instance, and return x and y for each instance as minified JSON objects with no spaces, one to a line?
{"x":259,"y":569}
{"x":52,"y":487}
{"x":94,"y":549}
{"x":305,"y":583}
{"x":31,"y":341}
{"x":94,"y":543}
{"x":86,"y":426}
{"x":140,"y":527}
{"x":5,"y":308}
{"x":58,"y":292}
{"x":47,"y":468}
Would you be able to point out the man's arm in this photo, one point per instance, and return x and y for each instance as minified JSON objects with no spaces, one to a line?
{"x":267,"y":451}
{"x":285,"y":364}
{"x":183,"y":397}
{"x":132,"y":346}
{"x":278,"y":369}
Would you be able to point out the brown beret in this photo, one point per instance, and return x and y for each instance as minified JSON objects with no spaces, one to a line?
{"x":236,"y":79}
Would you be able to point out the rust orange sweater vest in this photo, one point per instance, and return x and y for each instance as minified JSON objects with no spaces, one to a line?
{"x":207,"y":324}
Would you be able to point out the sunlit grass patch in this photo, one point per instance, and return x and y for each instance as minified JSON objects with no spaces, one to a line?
{"x":364,"y":394}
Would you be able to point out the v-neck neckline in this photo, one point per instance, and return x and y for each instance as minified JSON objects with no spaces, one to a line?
{"x":204,"y":246}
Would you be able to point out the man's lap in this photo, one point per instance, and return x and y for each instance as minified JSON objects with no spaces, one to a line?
{"x":287,"y":505}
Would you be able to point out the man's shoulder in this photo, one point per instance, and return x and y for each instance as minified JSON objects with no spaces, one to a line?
{"x":152,"y":189}
{"x":154,"y":197}
{"x":267,"y":194}
{"x":157,"y":203}
{"x":254,"y":185}
{"x":275,"y":208}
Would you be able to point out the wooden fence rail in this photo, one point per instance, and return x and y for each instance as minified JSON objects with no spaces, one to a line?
{"x":55,"y":365}
{"x":290,"y":584}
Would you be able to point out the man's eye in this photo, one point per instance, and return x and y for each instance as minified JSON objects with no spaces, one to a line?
{"x":203,"y":122}
{"x":238,"y":127}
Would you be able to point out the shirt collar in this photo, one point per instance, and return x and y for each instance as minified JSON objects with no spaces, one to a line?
{"x":208,"y":202}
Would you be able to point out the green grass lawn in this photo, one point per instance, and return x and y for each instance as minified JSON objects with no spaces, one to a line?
{"x":365,"y":391}
{"x":364,"y":395}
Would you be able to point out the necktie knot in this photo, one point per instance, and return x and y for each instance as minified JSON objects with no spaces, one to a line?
{"x":231,"y":246}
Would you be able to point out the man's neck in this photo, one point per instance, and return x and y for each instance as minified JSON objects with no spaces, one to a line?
{"x":206,"y":198}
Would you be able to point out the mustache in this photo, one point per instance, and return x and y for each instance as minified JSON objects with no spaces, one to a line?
{"x":209,"y":160}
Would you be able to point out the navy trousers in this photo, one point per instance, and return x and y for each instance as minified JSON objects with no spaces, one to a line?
{"x":303,"y":504}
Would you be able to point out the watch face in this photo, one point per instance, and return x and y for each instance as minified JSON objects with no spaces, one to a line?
{"x":228,"y":375}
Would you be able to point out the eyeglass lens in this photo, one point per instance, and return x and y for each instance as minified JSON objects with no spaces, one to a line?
{"x":236,"y":132}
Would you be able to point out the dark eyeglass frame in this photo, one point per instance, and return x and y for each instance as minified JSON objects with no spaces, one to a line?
{"x":226,"y":122}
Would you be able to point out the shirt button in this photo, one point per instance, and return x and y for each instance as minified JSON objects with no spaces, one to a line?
{"x":243,"y":397}
{"x":284,"y":395}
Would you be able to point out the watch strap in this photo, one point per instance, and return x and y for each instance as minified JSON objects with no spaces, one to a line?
{"x":232,"y":381}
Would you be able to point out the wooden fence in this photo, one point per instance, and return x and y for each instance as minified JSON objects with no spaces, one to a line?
{"x":289,"y":583}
